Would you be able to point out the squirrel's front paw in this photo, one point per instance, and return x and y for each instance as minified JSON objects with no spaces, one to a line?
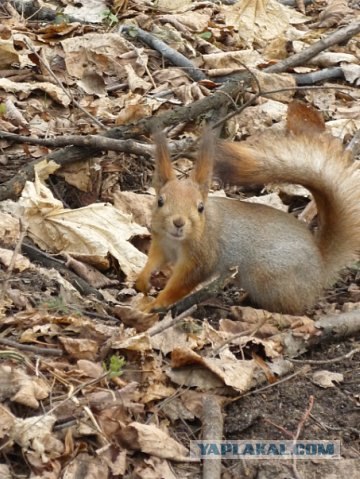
{"x":142,"y":284}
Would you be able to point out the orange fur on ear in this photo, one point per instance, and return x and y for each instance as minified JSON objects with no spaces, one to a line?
{"x":164,"y":171}
{"x":302,"y":118}
{"x":204,"y":165}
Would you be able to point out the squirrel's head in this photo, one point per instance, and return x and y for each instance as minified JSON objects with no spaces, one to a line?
{"x":179,"y":210}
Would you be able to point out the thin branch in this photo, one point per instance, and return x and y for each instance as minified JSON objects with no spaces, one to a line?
{"x":167,"y":52}
{"x":30,"y":348}
{"x":212,"y":430}
{"x":339,"y":36}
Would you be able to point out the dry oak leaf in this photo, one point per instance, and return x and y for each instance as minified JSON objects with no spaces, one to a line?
{"x":7,"y":420}
{"x":35,"y":433}
{"x":80,"y":348}
{"x":9,"y":231}
{"x":21,"y":263}
{"x":233,"y":372}
{"x":333,"y":14}
{"x":90,"y":233}
{"x":21,"y":388}
{"x":260,"y":20}
{"x":154,"y":468}
{"x":24,"y":89}
{"x":152,"y":440}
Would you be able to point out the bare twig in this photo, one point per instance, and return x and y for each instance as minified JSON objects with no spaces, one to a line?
{"x":30,"y":348}
{"x":166,"y":324}
{"x":212,"y":430}
{"x":298,"y":432}
{"x":303,"y":370}
{"x":327,"y":361}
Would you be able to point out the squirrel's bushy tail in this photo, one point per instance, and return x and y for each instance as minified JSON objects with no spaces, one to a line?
{"x":315,"y":160}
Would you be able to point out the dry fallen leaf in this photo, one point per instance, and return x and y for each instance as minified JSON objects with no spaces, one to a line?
{"x":231,"y":371}
{"x":21,"y":263}
{"x":24,"y":89}
{"x":9,"y":231}
{"x":80,"y":348}
{"x":21,"y":388}
{"x":90,"y":233}
{"x":151,"y":440}
{"x":35,"y":434}
{"x":326,"y":379}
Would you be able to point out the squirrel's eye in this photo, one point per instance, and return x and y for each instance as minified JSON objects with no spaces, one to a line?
{"x":201,"y":207}
{"x":161,"y":201}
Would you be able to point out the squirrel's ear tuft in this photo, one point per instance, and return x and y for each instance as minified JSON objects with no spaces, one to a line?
{"x":203,"y":170}
{"x":164,"y":171}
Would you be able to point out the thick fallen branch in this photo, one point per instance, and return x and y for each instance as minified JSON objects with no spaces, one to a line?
{"x":320,"y":75}
{"x":97,"y":142}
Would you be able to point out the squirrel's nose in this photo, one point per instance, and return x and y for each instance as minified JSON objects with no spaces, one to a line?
{"x":178,"y":222}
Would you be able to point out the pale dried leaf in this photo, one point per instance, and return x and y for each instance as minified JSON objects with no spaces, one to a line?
{"x":98,"y":50}
{"x":333,"y":13}
{"x":89,"y":233}
{"x":8,"y":54}
{"x":93,"y":466}
{"x":352,"y":73}
{"x":326,"y":379}
{"x":152,"y":440}
{"x":260,"y":19}
{"x":35,"y":433}
{"x":138,"y":205}
{"x":343,"y":127}
{"x":10,"y":230}
{"x":328,"y":59}
{"x":92,"y":83}
{"x":233,"y":372}
{"x":21,"y":388}
{"x":14,"y":114}
{"x":140,"y":342}
{"x":21,"y":263}
{"x":78,"y":174}
{"x":231,"y":61}
{"x":135,"y":82}
{"x":91,"y":11}
{"x":174,"y":5}
{"x":24,"y":89}
{"x":80,"y":348}
{"x":7,"y":420}
{"x":155,"y":468}
{"x":90,"y":368}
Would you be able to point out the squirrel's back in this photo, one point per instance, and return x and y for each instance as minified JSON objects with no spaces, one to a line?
{"x":274,"y":254}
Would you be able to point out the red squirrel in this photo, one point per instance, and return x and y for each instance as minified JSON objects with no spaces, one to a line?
{"x":281,"y":264}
